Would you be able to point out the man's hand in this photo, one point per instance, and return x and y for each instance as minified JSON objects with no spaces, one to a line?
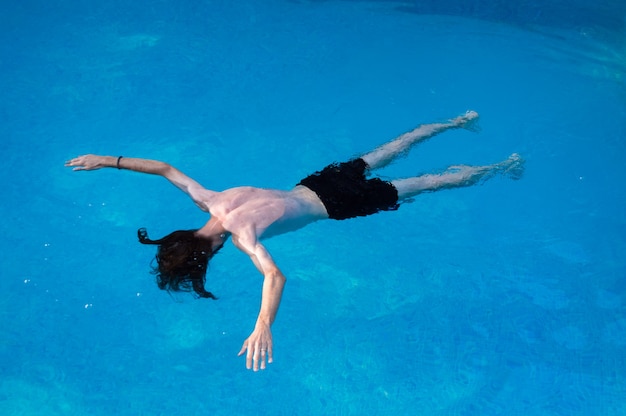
{"x":90,"y":162}
{"x":259,"y":346}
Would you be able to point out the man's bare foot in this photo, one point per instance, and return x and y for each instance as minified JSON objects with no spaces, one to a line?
{"x":468,"y":121}
{"x":513,"y":167}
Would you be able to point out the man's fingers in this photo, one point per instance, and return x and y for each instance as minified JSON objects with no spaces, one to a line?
{"x":243,"y":349}
{"x":76,"y":163}
{"x":259,"y":358}
{"x":263,"y":356}
{"x":258,"y":354}
{"x":253,"y":359}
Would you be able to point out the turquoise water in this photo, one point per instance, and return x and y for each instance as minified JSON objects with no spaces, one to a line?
{"x":505,"y":299}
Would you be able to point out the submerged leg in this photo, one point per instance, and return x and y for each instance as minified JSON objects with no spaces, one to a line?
{"x":384,"y":154}
{"x":458,"y":176}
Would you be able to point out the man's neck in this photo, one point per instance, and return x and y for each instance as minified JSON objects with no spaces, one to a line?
{"x":213,"y":230}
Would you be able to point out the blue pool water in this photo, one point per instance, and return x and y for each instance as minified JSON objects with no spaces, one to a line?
{"x":501,"y":299}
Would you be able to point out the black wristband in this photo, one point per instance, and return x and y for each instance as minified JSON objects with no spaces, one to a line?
{"x":118,"y":162}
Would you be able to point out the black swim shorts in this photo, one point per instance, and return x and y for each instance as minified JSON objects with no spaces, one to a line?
{"x":347,"y":193}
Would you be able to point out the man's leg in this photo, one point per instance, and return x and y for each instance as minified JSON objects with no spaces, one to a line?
{"x":384,"y":154}
{"x":458,"y":176}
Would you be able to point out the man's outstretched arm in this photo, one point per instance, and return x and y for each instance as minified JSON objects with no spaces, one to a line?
{"x":259,"y":344}
{"x":153,"y":167}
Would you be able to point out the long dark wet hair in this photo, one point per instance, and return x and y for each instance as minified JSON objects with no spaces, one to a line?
{"x":181,"y":261}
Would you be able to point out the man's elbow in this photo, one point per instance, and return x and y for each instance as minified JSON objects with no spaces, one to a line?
{"x":276,"y":275}
{"x":165,"y":169}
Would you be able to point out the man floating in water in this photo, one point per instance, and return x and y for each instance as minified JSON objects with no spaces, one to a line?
{"x":248,"y":215}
